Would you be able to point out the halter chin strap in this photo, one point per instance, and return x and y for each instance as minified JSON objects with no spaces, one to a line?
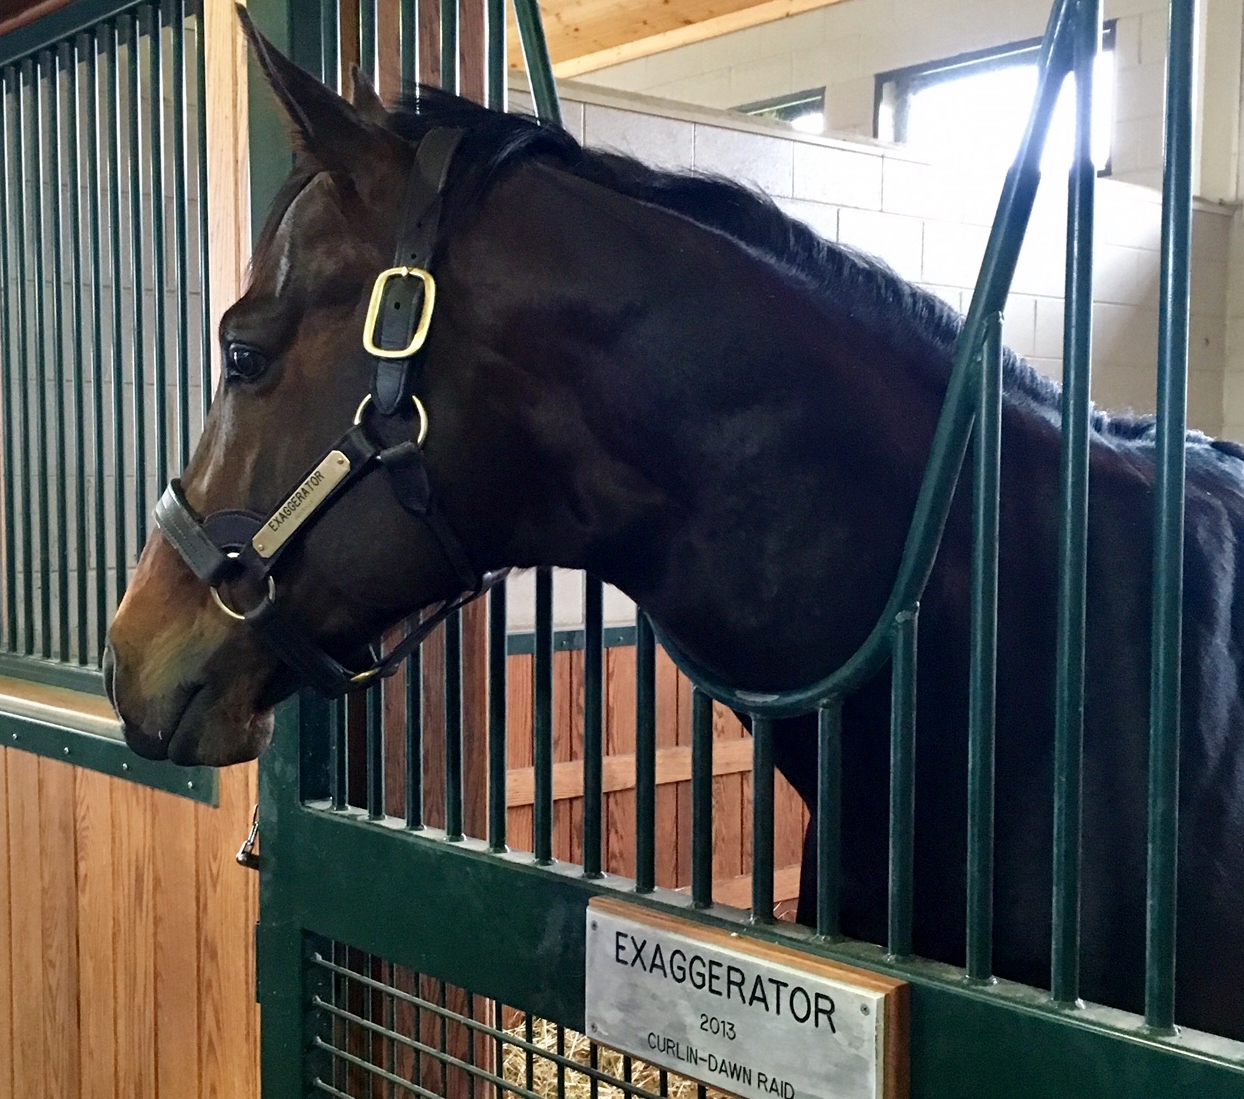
{"x":237,"y":545}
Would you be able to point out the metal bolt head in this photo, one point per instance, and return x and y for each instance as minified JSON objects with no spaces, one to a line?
{"x":259,"y":547}
{"x":863,"y":1009}
{"x":65,"y":749}
{"x":190,"y":785}
{"x":125,"y":767}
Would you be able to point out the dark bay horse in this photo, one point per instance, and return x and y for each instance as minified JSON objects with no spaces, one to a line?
{"x":663,"y":380}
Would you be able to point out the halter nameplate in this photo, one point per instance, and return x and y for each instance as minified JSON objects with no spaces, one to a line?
{"x":301,"y":504}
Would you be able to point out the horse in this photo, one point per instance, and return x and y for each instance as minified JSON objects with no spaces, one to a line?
{"x":662,"y":379}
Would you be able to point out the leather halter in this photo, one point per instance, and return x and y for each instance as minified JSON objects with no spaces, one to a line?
{"x":233,"y":545}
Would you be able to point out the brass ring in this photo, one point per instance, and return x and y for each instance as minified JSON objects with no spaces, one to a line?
{"x":423,"y":416}
{"x":229,"y":610}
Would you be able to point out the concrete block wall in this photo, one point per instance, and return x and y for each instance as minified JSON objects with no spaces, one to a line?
{"x":845,"y":45}
{"x":930,"y":224}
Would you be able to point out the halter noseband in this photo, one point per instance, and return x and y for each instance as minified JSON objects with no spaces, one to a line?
{"x":235,"y":545}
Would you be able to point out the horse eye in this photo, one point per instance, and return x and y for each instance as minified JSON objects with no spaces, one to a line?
{"x":244,"y":362}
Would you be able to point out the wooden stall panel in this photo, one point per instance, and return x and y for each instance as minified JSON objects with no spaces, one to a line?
{"x":6,"y":938}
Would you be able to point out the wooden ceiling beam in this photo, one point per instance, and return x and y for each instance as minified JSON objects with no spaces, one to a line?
{"x":585,"y":35}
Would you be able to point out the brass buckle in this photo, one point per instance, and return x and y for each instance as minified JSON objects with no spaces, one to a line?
{"x":373,"y":312}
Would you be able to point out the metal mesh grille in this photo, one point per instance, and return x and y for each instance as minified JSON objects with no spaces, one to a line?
{"x":386,"y":1032}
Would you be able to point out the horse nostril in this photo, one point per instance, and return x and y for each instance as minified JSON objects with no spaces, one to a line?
{"x":110,"y":670}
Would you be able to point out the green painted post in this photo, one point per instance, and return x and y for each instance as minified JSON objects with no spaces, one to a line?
{"x":119,"y":448}
{"x":449,"y":46}
{"x":701,"y":799}
{"x":762,"y":820}
{"x":593,"y":725}
{"x":536,"y":57}
{"x":902,"y":783}
{"x":159,"y":258}
{"x":495,"y":74}
{"x":453,"y":726}
{"x":60,"y":456}
{"x":38,"y":367}
{"x":181,"y":232}
{"x":24,"y":477}
{"x":984,"y":656}
{"x":74,"y":183}
{"x":542,"y":725}
{"x":645,"y":755}
{"x":138,"y":343}
{"x":497,"y":770}
{"x":1168,"y":522}
{"x":8,"y":77}
{"x":1073,"y":526}
{"x":96,"y":101}
{"x":829,"y":819}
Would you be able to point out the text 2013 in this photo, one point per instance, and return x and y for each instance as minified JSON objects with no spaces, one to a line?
{"x":713,"y":1025}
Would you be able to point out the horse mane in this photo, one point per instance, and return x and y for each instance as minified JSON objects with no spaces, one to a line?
{"x":880,"y":299}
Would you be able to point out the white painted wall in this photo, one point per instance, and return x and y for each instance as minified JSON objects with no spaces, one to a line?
{"x":842,"y":47}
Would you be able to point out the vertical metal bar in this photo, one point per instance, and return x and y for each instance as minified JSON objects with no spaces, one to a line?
{"x":60,"y":460}
{"x":330,"y":43}
{"x":24,"y":477}
{"x":338,"y":757}
{"x":205,"y":306}
{"x":1073,"y":526}
{"x":181,"y":231}
{"x":542,"y":725}
{"x":114,"y":256}
{"x":828,"y":818}
{"x":159,"y":258}
{"x":74,"y":183}
{"x":39,"y":375}
{"x":138,"y":345}
{"x":414,"y":739}
{"x":453,"y":726}
{"x":902,"y":781}
{"x":497,"y":636}
{"x":8,"y":77}
{"x":536,"y":58}
{"x":1168,"y":536}
{"x":982,"y":681}
{"x":367,"y":40}
{"x":762,"y":820}
{"x":375,"y":752}
{"x":94,"y":217}
{"x":449,"y":45}
{"x":701,"y":799}
{"x":495,"y":74}
{"x":593,"y":715}
{"x":645,"y":755}
{"x":408,"y":41}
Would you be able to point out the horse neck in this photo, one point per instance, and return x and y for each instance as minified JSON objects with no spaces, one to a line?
{"x":690,"y":415}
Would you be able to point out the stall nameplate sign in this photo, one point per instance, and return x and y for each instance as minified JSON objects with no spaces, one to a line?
{"x":747,"y":1017}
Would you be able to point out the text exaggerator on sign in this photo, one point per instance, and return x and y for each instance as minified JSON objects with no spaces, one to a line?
{"x":744,"y":1023}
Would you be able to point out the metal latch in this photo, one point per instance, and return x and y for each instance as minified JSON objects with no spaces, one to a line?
{"x":246,"y":853}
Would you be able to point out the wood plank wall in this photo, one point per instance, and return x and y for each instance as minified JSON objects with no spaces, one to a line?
{"x":126,"y":944}
{"x":732,"y":782}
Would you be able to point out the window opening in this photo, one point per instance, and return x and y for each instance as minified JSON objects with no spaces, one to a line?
{"x":973,"y":108}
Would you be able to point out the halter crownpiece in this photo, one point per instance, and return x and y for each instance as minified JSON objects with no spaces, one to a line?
{"x":234,"y":545}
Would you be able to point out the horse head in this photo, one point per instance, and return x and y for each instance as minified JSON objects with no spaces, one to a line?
{"x":187,"y":672}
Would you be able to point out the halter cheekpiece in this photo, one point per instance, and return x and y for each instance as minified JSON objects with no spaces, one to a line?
{"x":238,"y":545}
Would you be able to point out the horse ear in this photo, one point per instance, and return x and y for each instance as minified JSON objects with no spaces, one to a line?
{"x":329,"y":128}
{"x":366,"y":100}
